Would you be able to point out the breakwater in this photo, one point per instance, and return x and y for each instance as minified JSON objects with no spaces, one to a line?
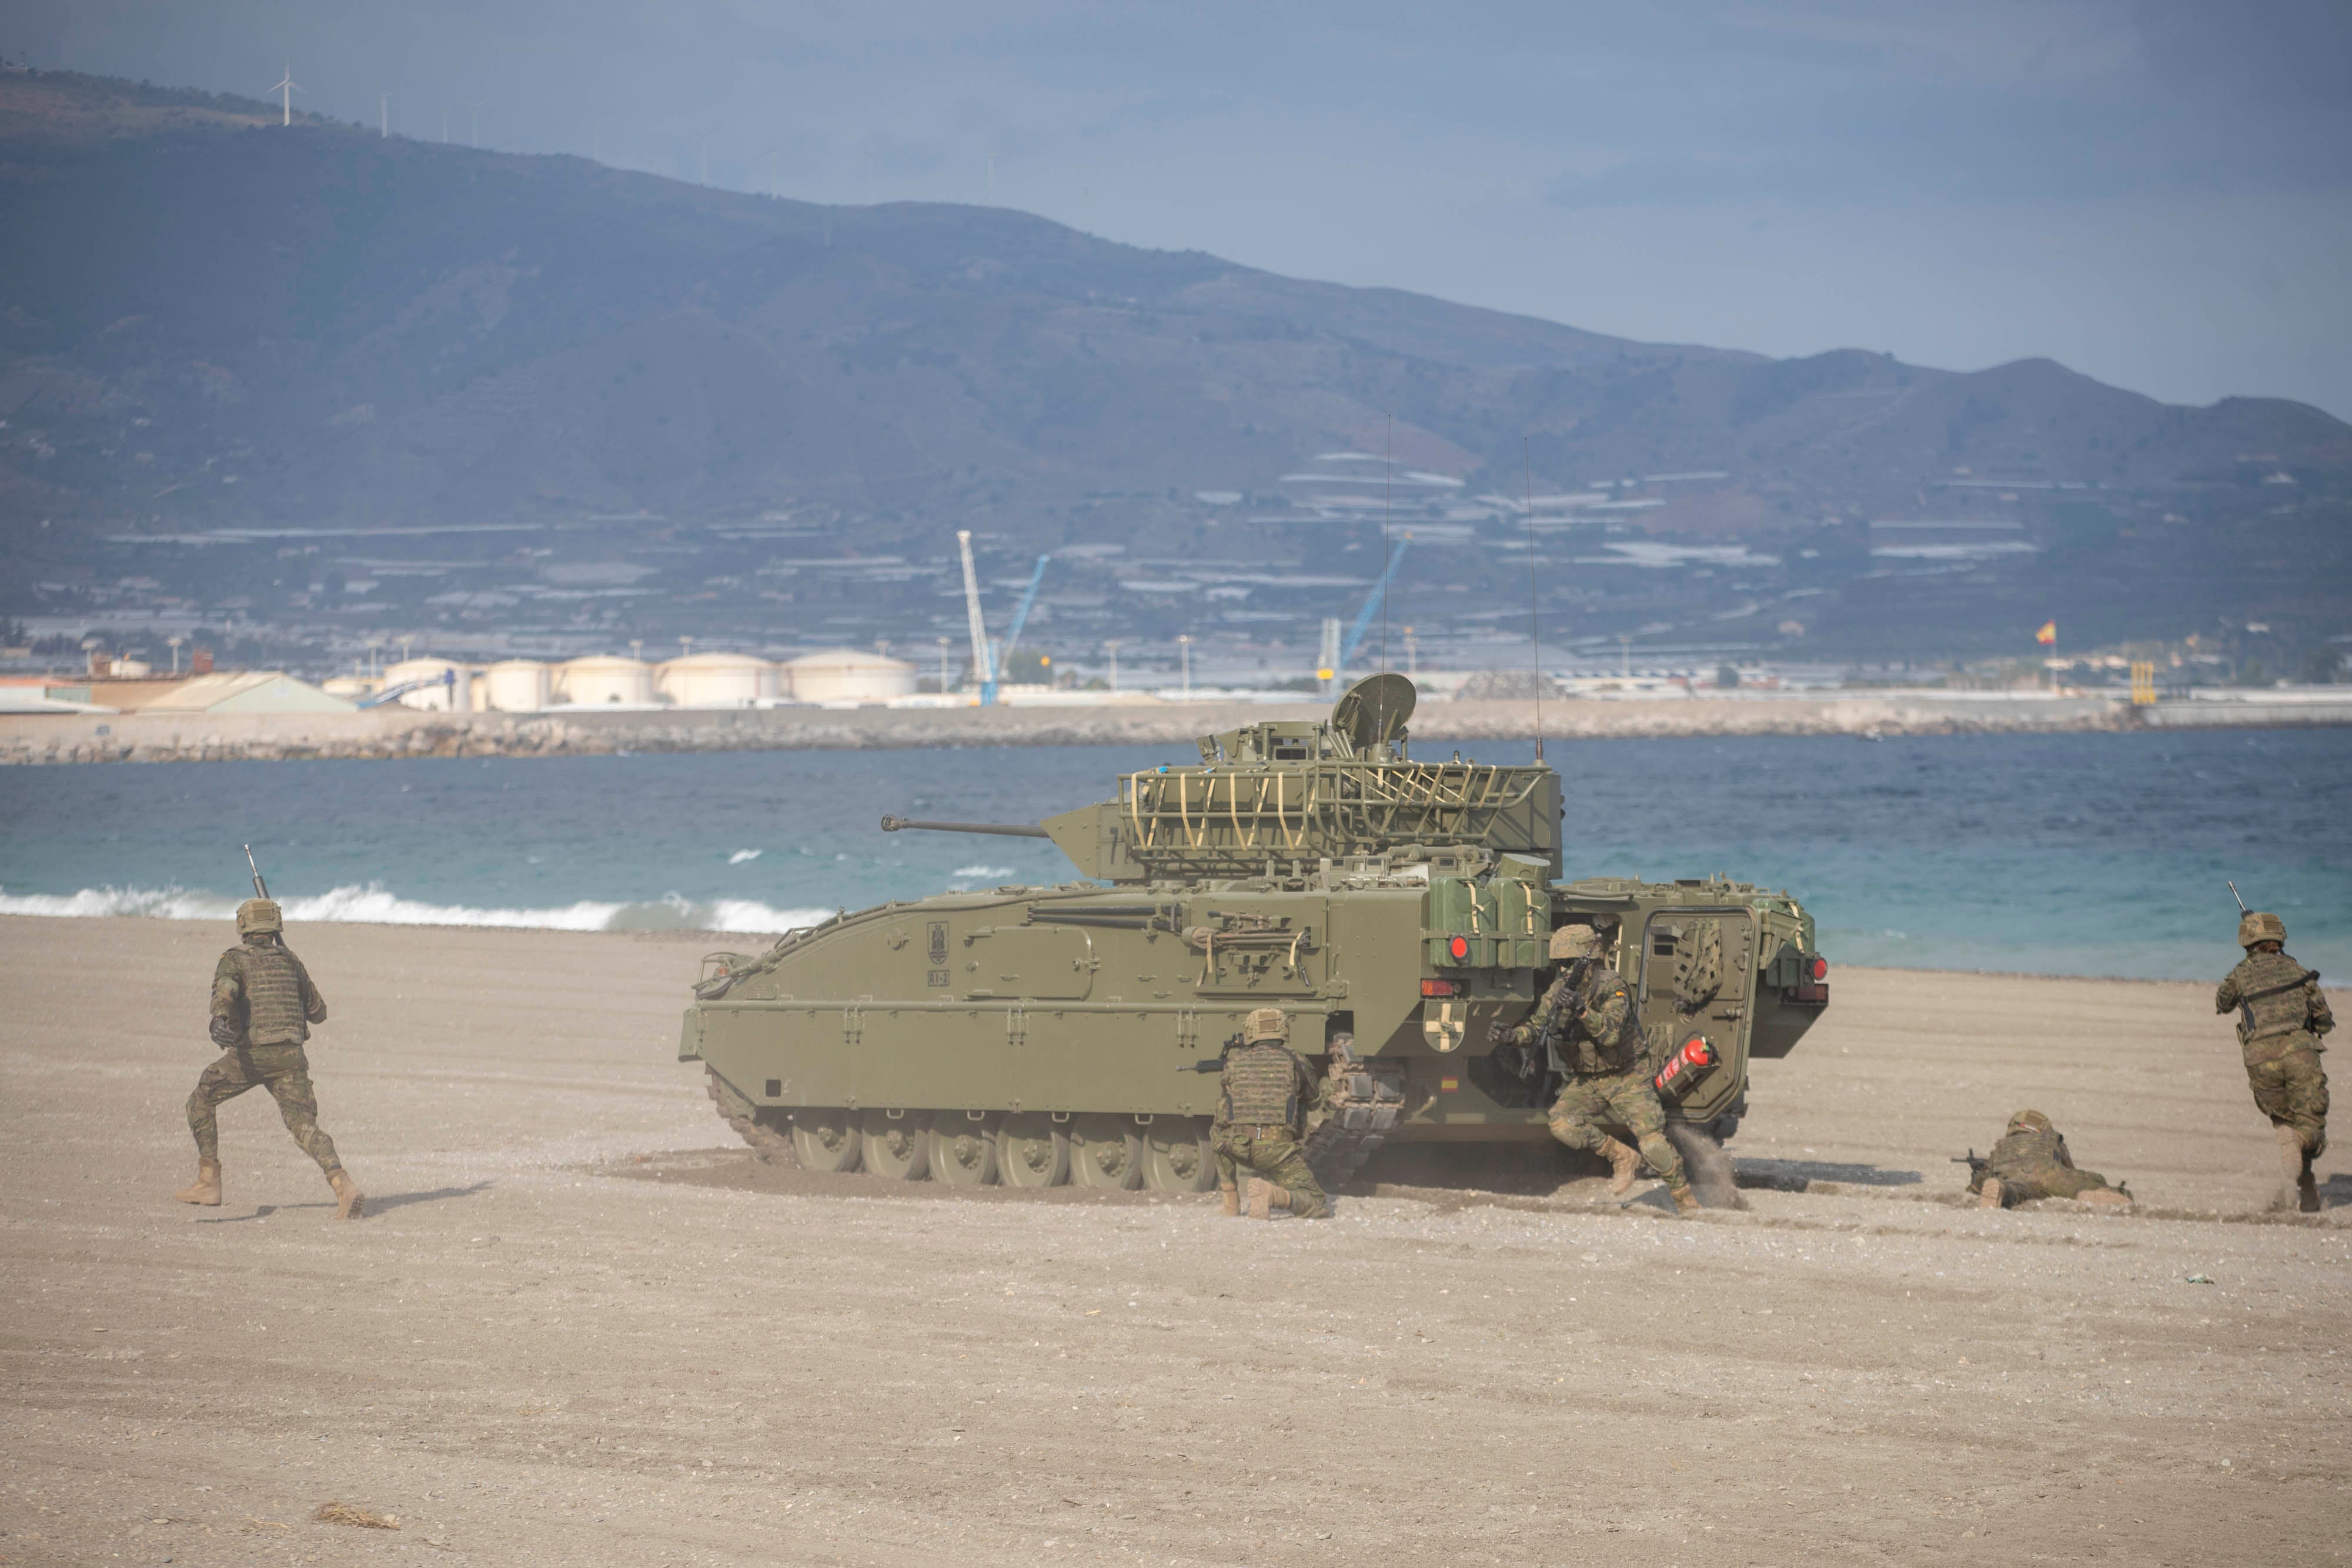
{"x":396,"y":733}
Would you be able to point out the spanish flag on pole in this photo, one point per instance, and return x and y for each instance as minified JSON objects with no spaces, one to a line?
{"x":2048,"y":636}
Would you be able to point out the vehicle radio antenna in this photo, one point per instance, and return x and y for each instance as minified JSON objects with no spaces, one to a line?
{"x":1535,"y":619}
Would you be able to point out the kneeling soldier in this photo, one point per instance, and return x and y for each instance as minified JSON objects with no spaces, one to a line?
{"x":1262,"y":1103}
{"x":2030,"y":1161}
{"x":263,"y":1006}
{"x":1586,"y":1017}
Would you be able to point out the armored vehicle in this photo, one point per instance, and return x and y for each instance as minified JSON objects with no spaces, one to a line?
{"x":1395,"y":907}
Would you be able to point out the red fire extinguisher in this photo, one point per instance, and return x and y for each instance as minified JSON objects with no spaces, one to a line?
{"x":1683,"y":1069}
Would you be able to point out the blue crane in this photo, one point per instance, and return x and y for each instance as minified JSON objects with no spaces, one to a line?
{"x":1371,"y":607}
{"x":1012,"y":637}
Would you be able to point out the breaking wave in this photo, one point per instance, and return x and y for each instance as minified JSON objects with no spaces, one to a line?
{"x":375,"y":905}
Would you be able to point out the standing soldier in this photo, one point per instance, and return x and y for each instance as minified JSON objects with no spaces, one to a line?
{"x":2280,"y":1015}
{"x":1262,"y":1103}
{"x":2031,"y":1161}
{"x":263,"y":1006}
{"x":1587,"y":1020}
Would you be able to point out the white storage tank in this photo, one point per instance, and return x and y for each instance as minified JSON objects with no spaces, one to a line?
{"x":600,"y":679}
{"x":847,"y":675}
{"x":716,"y":680}
{"x":518,"y":686}
{"x":441,"y":695}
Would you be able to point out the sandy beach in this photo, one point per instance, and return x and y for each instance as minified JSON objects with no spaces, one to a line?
{"x":579,"y":1327}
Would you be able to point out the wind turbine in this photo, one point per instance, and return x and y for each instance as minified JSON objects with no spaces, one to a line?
{"x":477,"y":122}
{"x":286,"y":87}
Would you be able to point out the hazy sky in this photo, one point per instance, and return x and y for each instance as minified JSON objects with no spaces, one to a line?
{"x":2159,"y":194}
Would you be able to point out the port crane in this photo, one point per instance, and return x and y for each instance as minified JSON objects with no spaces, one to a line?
{"x":984,"y":660}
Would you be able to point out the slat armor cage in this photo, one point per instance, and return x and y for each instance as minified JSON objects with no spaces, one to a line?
{"x":1232,"y":819}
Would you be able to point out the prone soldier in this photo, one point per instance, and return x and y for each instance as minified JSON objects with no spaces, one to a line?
{"x":1262,"y":1101}
{"x":2031,"y":1161}
{"x":262,"y":1009}
{"x":1586,"y":1019}
{"x":2280,"y":1015}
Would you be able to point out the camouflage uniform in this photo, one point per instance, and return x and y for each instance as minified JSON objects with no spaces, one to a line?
{"x":1587,"y":1017}
{"x":2031,"y":1161}
{"x":1262,"y":1101}
{"x":263,"y":1006}
{"x":2280,"y":1015}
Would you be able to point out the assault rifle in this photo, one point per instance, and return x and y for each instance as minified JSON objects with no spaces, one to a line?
{"x":1976,"y":1162}
{"x":1215,"y":1064}
{"x":260,"y":888}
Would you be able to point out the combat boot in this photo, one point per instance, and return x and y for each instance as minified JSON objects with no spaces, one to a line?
{"x":206,"y":1188}
{"x":1261,"y":1198}
{"x":1989,"y":1195}
{"x":350,"y":1204}
{"x":1686,"y":1200}
{"x":1277,"y":1200}
{"x":1624,"y":1166}
{"x":2299,"y":1190}
{"x":1230,"y":1197}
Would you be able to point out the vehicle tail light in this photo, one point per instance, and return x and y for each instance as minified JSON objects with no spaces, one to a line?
{"x":1459,"y":947}
{"x":1820,"y":968}
{"x":1440,"y":988}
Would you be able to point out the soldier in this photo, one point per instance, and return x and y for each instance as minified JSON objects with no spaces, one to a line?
{"x":1587,"y":1020}
{"x":263,"y":1006}
{"x":2031,"y":1161}
{"x":2280,"y":1015}
{"x":1262,"y":1103}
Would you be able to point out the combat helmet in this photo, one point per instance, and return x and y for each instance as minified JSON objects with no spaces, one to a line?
{"x":259,"y":915}
{"x":1577,"y":939}
{"x":1265,"y":1023}
{"x":2260,"y":926}
{"x":2034,"y":1119}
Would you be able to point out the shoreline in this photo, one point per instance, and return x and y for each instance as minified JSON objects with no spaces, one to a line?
{"x":396,"y":734}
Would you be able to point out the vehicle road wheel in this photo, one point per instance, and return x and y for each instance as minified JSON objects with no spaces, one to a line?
{"x":1033,"y":1150}
{"x":1176,"y":1155}
{"x":1106,"y":1151}
{"x":895,"y":1148}
{"x":963,"y":1152}
{"x":825,"y":1138}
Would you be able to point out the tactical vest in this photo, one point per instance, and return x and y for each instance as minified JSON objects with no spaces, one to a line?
{"x":272,"y":979}
{"x":1260,"y":1086}
{"x":1576,"y":1051}
{"x":2271,"y":1001}
{"x":2027,"y":1151}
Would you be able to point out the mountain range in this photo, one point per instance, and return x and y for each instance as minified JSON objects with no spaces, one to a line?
{"x":216,"y":327}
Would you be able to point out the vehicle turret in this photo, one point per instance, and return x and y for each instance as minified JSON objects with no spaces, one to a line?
{"x":1279,"y":798}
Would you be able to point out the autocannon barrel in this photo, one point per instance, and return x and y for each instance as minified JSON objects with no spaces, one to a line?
{"x":1003,"y":830}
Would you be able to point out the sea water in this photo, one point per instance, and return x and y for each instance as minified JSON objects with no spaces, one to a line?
{"x":2086,"y":854}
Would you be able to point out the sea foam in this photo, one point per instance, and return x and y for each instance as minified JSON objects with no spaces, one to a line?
{"x":374,"y":905}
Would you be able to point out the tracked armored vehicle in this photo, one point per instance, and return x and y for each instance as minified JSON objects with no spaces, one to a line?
{"x":1395,"y":907}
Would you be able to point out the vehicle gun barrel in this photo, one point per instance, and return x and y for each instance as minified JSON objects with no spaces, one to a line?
{"x":1003,"y":830}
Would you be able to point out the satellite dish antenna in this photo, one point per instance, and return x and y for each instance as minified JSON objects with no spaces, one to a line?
{"x":1372,"y":713}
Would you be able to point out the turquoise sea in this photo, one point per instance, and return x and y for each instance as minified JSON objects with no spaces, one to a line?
{"x":2090,"y":855}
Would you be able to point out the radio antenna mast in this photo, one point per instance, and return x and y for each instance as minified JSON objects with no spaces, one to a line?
{"x":1388,"y":485}
{"x":1535,"y":620}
